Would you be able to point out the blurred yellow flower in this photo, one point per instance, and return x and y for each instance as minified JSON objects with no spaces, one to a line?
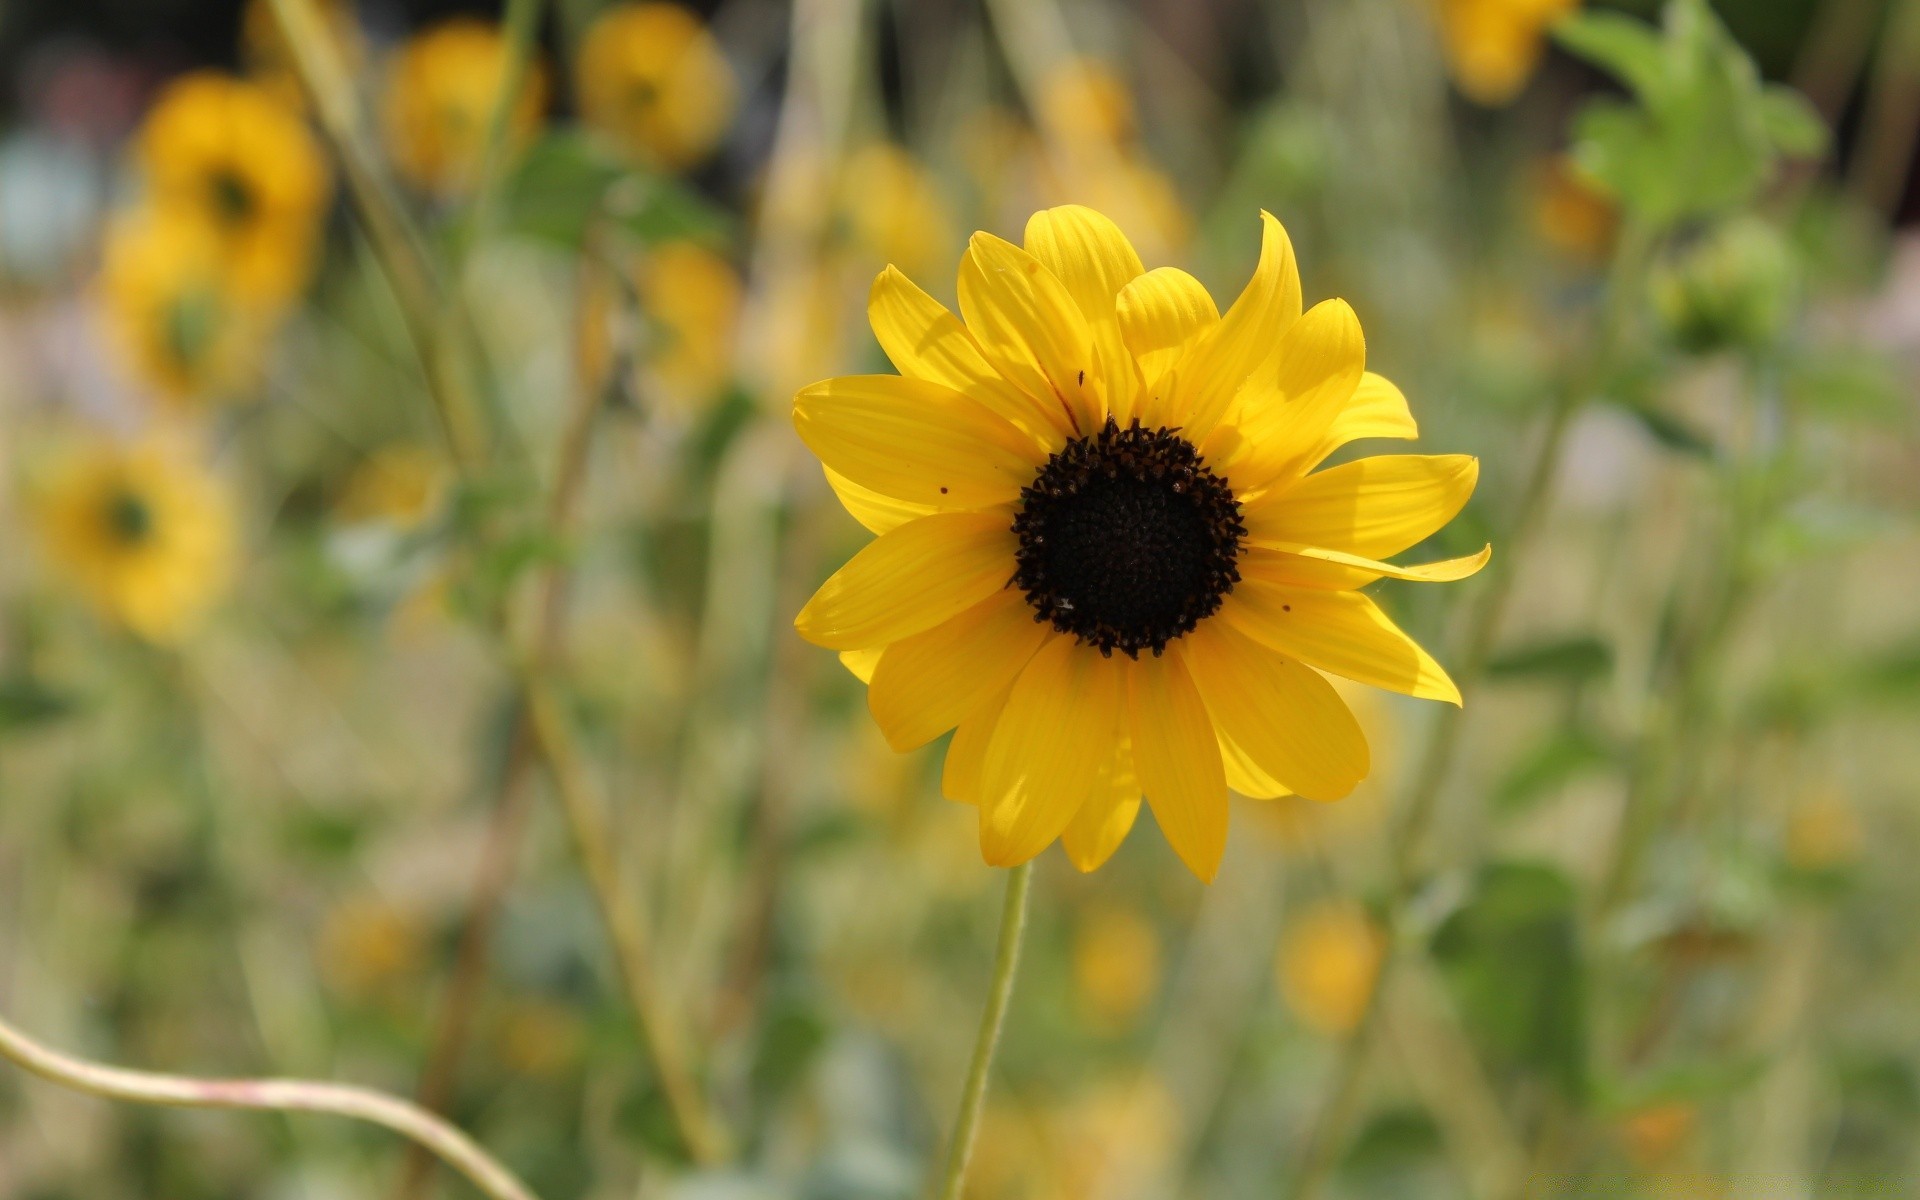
{"x":244,"y":161}
{"x":1823,"y":832}
{"x":1655,"y":1135}
{"x":1328,"y":963}
{"x":1063,"y":569}
{"x":1085,"y":99}
{"x":1116,"y":965}
{"x":440,"y":94}
{"x":1570,"y":216}
{"x":144,"y":531}
{"x":1087,"y":113}
{"x":541,"y":1038}
{"x":1493,"y":46}
{"x":264,"y":50}
{"x":399,"y":484}
{"x":366,"y":945}
{"x":172,"y":310}
{"x":690,"y":297}
{"x":896,"y":210}
{"x":653,"y":77}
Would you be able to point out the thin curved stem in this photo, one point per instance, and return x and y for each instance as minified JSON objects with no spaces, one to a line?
{"x":453,"y":1147}
{"x":1006,"y":962}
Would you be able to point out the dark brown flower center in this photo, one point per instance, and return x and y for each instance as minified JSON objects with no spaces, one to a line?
{"x":1127,"y":539}
{"x":233,"y":198}
{"x":128,"y":517}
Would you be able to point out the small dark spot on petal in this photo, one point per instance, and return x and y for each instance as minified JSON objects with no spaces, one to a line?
{"x":943,"y":491}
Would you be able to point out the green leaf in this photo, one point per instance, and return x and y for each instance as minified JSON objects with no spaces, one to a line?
{"x":1626,"y":48}
{"x":1673,"y":433}
{"x":26,"y":702}
{"x":1511,"y":959}
{"x":1563,"y":756}
{"x":556,"y":186}
{"x":1794,"y":124}
{"x":1576,"y":658}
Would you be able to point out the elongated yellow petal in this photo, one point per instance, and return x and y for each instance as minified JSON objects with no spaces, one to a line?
{"x":1106,"y":816}
{"x":925,"y":341}
{"x":1341,"y":632}
{"x":1372,"y":507}
{"x":1162,"y":314}
{"x":1245,"y":776}
{"x":1294,"y":565}
{"x":1284,"y":715}
{"x":879,"y":514}
{"x":928,"y":683}
{"x":914,"y":441}
{"x":860,"y":663}
{"x":1378,"y":409}
{"x":1029,"y":328}
{"x":1087,"y":252}
{"x":912,"y":579}
{"x":1061,"y":724}
{"x":967,"y":752}
{"x":1177,"y":758}
{"x":1244,"y":341}
{"x":1277,"y":424}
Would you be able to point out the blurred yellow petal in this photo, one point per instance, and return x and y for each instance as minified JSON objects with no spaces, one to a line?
{"x":1322,"y":358}
{"x":1344,"y":633}
{"x":1087,"y":252}
{"x":1372,"y":507}
{"x":1162,"y":314}
{"x":1177,"y":759}
{"x":1284,"y":715}
{"x":914,"y":441}
{"x":925,"y":341}
{"x":928,"y":683}
{"x":1244,"y":341}
{"x":1029,"y":328}
{"x":1106,"y":816}
{"x":911,"y":579}
{"x":1245,"y":776}
{"x":1060,"y":725}
{"x":1294,"y":565}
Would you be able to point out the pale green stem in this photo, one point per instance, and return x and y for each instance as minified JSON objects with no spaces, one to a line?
{"x":520,"y":24}
{"x":453,"y":1147}
{"x":973,"y":1097}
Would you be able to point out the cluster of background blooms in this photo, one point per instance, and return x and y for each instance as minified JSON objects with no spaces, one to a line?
{"x":1636,"y":920}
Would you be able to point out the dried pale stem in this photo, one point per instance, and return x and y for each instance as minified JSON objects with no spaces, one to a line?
{"x":973,"y":1096}
{"x":453,"y":1147}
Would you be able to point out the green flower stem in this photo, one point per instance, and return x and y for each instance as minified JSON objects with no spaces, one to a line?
{"x":1006,"y":962}
{"x":520,"y":24}
{"x":453,"y":1147}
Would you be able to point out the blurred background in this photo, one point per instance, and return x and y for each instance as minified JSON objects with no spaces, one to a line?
{"x":378,"y":385}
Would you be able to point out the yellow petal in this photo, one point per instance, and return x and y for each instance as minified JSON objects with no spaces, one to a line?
{"x":1245,"y":776}
{"x":1029,"y":328}
{"x":1344,"y":633}
{"x":1106,"y":816}
{"x":1161,"y":314}
{"x":1060,"y":726}
{"x":1285,"y":716}
{"x":1087,"y":252}
{"x":1177,"y":757}
{"x":928,"y":683}
{"x":1372,"y":507}
{"x":861,"y":663}
{"x":1294,"y":565}
{"x":967,"y":752}
{"x":914,"y":441}
{"x":921,"y":574}
{"x":925,"y":341}
{"x":1378,"y":409}
{"x":879,"y":514}
{"x":1277,"y":423}
{"x":1244,"y":341}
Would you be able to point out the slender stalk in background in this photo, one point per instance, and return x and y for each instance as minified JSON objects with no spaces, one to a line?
{"x":1006,"y":963}
{"x":453,"y":1147}
{"x":521,"y":25}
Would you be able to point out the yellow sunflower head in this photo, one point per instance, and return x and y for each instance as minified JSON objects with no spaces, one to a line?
{"x":691,"y":299}
{"x":894,"y":207}
{"x":237,"y":156}
{"x":1493,"y":46}
{"x":1106,"y":558}
{"x":439,"y":98}
{"x":172,"y":309}
{"x":145,"y":532}
{"x":654,"y":78}
{"x":1327,"y":964}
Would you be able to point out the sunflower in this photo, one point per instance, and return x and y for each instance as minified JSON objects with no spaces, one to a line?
{"x":1106,"y":559}
{"x":236,"y":155}
{"x":172,"y":309}
{"x":1493,"y":46}
{"x":440,"y":96}
{"x":653,"y":77}
{"x":144,"y":531}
